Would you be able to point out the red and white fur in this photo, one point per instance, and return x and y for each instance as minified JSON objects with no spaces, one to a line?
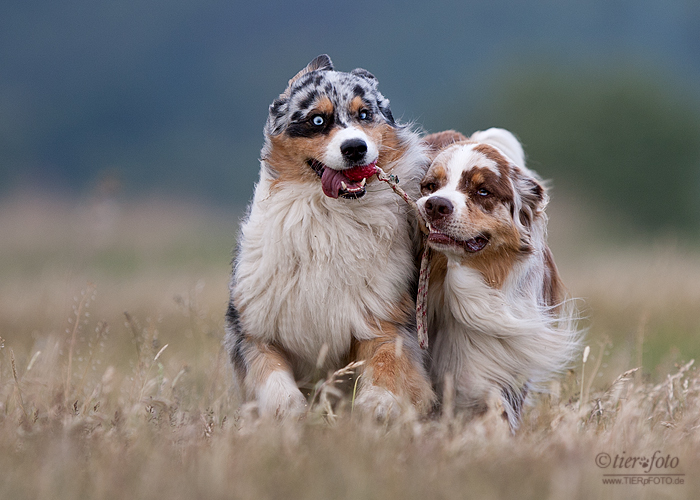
{"x":498,"y":321}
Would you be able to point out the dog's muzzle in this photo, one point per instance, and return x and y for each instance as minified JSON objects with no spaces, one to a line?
{"x":349,"y":183}
{"x":437,"y":210}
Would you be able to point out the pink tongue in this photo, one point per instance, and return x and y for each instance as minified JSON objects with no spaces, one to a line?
{"x":331,"y":179}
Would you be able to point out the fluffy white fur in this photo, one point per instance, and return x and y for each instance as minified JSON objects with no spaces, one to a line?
{"x":313,"y":273}
{"x":279,"y":395}
{"x":313,"y":268}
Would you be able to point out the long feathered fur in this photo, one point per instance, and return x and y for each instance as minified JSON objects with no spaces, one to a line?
{"x":318,"y":280}
{"x":509,"y":337}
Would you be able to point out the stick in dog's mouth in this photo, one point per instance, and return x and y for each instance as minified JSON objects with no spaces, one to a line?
{"x":349,"y":183}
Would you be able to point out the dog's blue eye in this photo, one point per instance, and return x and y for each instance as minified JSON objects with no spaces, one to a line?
{"x":483,"y":192}
{"x":365,"y":115}
{"x":318,"y":120}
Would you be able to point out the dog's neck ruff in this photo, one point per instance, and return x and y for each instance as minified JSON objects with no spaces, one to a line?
{"x":330,"y":255}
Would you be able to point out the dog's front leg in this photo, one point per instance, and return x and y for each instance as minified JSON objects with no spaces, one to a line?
{"x":393,"y":378}
{"x":269,"y":380}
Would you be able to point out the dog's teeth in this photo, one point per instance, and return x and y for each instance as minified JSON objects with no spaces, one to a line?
{"x":343,"y":185}
{"x":364,"y":181}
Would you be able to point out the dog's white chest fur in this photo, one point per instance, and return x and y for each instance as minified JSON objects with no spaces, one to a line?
{"x":464,"y":313}
{"x":309,"y":274}
{"x":488,"y":338}
{"x":485,"y":337}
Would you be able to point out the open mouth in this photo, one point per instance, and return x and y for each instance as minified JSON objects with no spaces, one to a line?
{"x":472,"y":245}
{"x":349,"y":183}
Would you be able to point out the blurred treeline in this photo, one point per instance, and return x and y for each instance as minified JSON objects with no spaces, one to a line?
{"x":626,"y":142}
{"x":171,"y":97}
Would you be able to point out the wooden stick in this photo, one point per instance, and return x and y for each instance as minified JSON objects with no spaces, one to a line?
{"x":424,"y":275}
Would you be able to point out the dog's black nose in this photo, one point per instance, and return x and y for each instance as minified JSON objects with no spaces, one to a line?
{"x":353,"y":149}
{"x":437,"y":207}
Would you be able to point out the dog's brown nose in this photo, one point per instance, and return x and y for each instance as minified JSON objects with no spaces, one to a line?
{"x":437,"y":207}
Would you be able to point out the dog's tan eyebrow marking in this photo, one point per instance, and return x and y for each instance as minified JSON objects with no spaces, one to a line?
{"x":357,"y":104}
{"x":321,"y":105}
{"x":324,"y":105}
{"x":437,"y":174}
{"x":473,"y":178}
{"x":476,"y":179}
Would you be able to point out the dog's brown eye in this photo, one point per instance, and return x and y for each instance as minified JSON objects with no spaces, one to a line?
{"x":429,"y":187}
{"x":317,"y":120}
{"x":483,"y":192}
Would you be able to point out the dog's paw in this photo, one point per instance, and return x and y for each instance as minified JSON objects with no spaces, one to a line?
{"x":280,"y":397}
{"x":378,"y":403}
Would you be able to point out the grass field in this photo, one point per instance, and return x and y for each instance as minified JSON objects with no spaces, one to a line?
{"x":113,"y":383}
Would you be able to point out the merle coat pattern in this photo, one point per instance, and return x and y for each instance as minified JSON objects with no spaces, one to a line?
{"x":325,"y":262}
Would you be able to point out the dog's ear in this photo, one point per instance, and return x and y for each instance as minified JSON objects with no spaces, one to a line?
{"x":279,"y":106}
{"x":503,"y":140}
{"x":530,"y":190}
{"x":320,"y":63}
{"x":437,"y":141}
{"x":382,"y":101}
{"x":385,"y":110}
{"x":533,"y":196}
{"x":363,"y":73}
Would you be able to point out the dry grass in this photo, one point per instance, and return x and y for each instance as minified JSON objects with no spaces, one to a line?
{"x":113,"y":383}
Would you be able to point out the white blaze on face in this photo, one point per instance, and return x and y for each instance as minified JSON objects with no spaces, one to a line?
{"x":334,"y":158}
{"x":456,"y":161}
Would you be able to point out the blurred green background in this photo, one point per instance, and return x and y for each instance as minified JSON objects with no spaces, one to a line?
{"x":148,"y":96}
{"x":130,"y":133}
